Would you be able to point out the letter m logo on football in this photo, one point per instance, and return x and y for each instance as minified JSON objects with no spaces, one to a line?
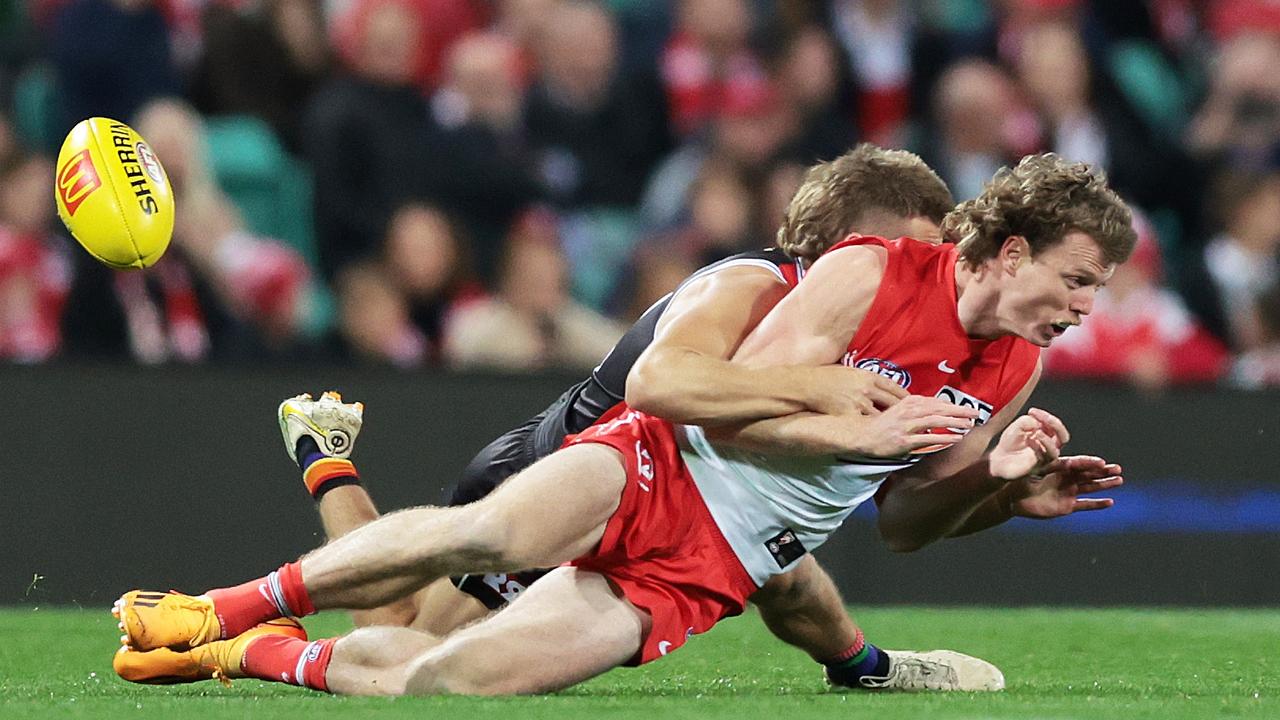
{"x":77,"y":179}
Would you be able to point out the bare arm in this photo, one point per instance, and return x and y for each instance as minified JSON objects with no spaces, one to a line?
{"x":938,"y":496}
{"x":813,"y":326}
{"x":814,"y":323}
{"x":685,"y":375}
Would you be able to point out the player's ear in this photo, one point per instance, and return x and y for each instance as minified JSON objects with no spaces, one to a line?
{"x":1013,"y":253}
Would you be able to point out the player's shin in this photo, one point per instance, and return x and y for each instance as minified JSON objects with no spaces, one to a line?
{"x":289,"y":660}
{"x":280,"y":593}
{"x":399,"y":554}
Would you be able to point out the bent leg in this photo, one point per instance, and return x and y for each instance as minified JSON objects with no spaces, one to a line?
{"x":568,"y":627}
{"x":552,"y":512}
{"x":803,"y":608}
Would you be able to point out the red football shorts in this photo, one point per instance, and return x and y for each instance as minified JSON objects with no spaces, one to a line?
{"x":661,"y":547}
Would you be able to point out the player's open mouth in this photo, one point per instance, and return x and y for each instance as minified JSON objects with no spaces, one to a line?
{"x":1060,"y":327}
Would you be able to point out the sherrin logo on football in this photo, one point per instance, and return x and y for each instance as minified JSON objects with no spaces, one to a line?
{"x":113,"y":194}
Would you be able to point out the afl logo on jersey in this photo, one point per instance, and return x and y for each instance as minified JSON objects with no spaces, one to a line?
{"x":886,"y":368}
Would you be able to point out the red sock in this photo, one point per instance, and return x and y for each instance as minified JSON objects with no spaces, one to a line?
{"x":278,"y":594}
{"x":289,"y":659}
{"x":850,"y":652}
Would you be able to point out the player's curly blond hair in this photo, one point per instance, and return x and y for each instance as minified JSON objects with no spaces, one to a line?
{"x":836,"y":196}
{"x":1042,"y":199}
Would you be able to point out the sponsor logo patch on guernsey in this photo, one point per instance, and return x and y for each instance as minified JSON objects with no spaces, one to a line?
{"x":785,"y":547}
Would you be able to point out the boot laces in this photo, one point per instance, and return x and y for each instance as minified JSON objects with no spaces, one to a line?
{"x":913,"y":674}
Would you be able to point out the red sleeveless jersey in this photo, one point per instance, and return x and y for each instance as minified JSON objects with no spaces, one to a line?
{"x":912,"y":333}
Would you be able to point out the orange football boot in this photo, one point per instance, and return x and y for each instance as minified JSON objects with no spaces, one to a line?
{"x":151,"y":620}
{"x":220,"y":660}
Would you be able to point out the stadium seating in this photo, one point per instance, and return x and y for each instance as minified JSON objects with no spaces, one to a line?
{"x":272,"y":189}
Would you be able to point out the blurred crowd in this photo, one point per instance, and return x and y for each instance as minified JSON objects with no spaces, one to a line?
{"x":508,"y":183}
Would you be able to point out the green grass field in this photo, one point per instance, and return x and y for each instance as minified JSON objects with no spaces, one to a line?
{"x":1059,"y":664}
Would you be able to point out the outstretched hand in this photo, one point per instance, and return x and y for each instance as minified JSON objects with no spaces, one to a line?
{"x":1029,"y":446}
{"x":1058,"y":492}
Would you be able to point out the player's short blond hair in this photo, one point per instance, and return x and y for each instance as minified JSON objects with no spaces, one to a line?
{"x":1042,"y":199}
{"x":837,"y":195}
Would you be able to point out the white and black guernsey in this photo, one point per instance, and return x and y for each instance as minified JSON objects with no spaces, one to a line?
{"x":584,"y":403}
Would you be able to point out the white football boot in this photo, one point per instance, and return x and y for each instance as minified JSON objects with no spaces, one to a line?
{"x":332,"y":423}
{"x":936,"y":670}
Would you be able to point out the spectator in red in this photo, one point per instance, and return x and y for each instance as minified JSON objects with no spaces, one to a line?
{"x":35,"y":271}
{"x":878,"y":36}
{"x":1139,"y":331}
{"x":169,"y":314}
{"x":752,"y":132}
{"x":217,"y":293}
{"x":707,"y":61}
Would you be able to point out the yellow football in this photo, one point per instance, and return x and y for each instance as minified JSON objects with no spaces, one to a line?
{"x":113,"y":195}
